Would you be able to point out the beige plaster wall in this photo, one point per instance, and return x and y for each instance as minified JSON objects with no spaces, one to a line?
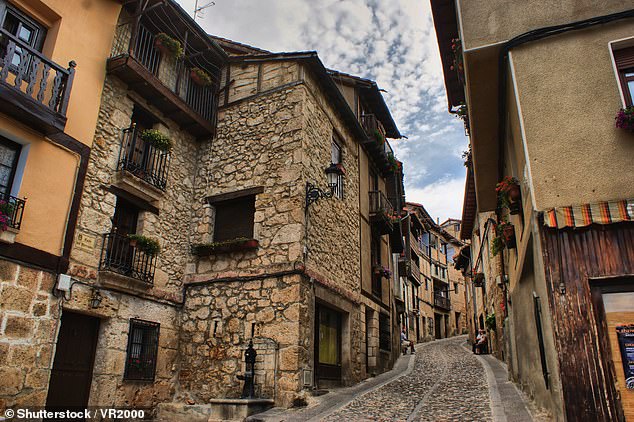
{"x":569,"y":96}
{"x":489,"y":22}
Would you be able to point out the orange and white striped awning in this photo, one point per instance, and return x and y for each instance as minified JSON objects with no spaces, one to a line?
{"x":586,"y":214}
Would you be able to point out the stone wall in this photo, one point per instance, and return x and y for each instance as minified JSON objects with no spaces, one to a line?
{"x":219,"y":318}
{"x":29,"y":316}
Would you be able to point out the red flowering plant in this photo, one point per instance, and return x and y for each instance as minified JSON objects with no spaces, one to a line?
{"x":625,"y":118}
{"x":382,"y":271}
{"x":458,"y":64}
{"x":507,"y":191}
{"x":6,"y":213}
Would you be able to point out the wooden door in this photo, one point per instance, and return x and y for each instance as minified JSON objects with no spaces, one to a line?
{"x":125,"y":218}
{"x":328,"y":343}
{"x":69,"y":387}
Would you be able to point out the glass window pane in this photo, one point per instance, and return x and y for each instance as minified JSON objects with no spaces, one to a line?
{"x":25,"y":34}
{"x":335,"y":153}
{"x":630,"y":87}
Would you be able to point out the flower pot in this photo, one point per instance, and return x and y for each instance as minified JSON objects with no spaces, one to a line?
{"x":515,"y":207}
{"x":508,"y":231}
{"x":514,"y":193}
{"x":195,"y":78}
{"x":161,"y":47}
{"x":133,"y":243}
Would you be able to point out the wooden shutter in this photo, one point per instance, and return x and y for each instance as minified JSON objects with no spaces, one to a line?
{"x":234,"y":218}
{"x":624,"y":58}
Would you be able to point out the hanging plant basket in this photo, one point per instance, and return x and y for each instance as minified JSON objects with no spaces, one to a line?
{"x":625,"y":118}
{"x":200,"y":77}
{"x":168,"y":46}
{"x":508,"y":235}
{"x":234,"y":245}
{"x":478,"y":280}
{"x":515,"y":207}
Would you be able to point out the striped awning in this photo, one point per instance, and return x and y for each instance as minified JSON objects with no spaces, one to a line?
{"x":584,"y":215}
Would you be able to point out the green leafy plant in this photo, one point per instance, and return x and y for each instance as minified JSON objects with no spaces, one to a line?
{"x":507,"y":191}
{"x":157,"y":139}
{"x":378,"y":136}
{"x":201,"y":77}
{"x":148,"y":245}
{"x":394,"y":163}
{"x":490,"y":321}
{"x":237,"y":244}
{"x":168,"y":44}
{"x":497,"y":245}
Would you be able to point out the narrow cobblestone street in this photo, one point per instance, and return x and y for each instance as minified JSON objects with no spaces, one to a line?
{"x":447,"y":383}
{"x":444,"y":382}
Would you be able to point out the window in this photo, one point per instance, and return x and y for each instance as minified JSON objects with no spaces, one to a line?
{"x":450,"y":251}
{"x":624,"y":59}
{"x":142,"y":350}
{"x":432,"y":241}
{"x":335,"y":158}
{"x":22,"y":27}
{"x":234,"y":218}
{"x":455,"y":288}
{"x":426,"y":284}
{"x":9,"y":154}
{"x":385,"y":335}
{"x":375,"y":258}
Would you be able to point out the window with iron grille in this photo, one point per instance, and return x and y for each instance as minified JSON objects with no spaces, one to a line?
{"x":624,"y":59}
{"x":385,"y":335}
{"x":142,"y":350}
{"x":336,"y":158}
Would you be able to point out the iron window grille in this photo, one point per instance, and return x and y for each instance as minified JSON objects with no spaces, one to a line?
{"x":142,"y":350}
{"x":119,"y":256}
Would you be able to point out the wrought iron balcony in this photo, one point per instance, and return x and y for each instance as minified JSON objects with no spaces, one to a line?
{"x":168,"y":82}
{"x":34,"y":89}
{"x":13,"y":208}
{"x":442,"y":302}
{"x":143,"y":160}
{"x":119,"y":256}
{"x":381,"y":212}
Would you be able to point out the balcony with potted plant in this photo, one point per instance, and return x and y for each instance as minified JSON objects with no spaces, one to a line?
{"x":11,"y":211}
{"x":131,"y":257}
{"x":381,"y":212}
{"x":178,"y":66}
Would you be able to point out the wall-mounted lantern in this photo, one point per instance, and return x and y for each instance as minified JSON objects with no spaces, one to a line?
{"x":95,"y":299}
{"x":313,"y":193}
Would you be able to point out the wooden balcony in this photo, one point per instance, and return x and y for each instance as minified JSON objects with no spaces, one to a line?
{"x":376,"y":143}
{"x":442,"y":302}
{"x":34,"y":89}
{"x":166,"y":82}
{"x":381,"y":212}
{"x":415,"y":272}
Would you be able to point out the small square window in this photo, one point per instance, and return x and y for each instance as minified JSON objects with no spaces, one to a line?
{"x":140,"y":362}
{"x":234,"y":218}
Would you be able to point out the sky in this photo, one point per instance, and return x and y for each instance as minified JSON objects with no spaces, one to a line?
{"x":390,"y":41}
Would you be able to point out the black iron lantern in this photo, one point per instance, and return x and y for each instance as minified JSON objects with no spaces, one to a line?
{"x":313,"y":193}
{"x":95,"y":299}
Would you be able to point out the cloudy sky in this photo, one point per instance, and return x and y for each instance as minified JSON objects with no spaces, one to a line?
{"x":390,"y":41}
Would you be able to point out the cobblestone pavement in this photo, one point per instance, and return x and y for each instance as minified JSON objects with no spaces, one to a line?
{"x":447,"y":384}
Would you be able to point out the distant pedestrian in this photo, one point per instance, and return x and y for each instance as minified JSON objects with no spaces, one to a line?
{"x":405,"y":343}
{"x":481,"y":343}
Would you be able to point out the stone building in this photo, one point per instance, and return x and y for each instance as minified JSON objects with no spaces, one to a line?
{"x":551,"y":195}
{"x":231,"y":195}
{"x":432,"y":291}
{"x":50,"y":87}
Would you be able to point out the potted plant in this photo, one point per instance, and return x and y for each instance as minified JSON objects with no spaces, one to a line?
{"x":145,"y":244}
{"x":478,"y":279}
{"x":168,"y":45}
{"x":226,"y":246}
{"x":508,"y":191}
{"x":200,"y":77}
{"x":506,"y":231}
{"x":490,"y":321}
{"x":157,"y":139}
{"x":6,"y":214}
{"x":378,"y":136}
{"x":393,"y":162}
{"x":625,"y":118}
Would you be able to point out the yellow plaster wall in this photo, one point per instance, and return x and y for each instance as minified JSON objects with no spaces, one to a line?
{"x":81,"y":31}
{"x":569,"y":96}
{"x":491,"y":21}
{"x":47,"y":183}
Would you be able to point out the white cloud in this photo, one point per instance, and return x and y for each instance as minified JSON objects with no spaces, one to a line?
{"x":392,"y":42}
{"x":442,"y":199}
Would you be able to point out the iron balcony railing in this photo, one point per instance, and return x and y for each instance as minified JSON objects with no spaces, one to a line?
{"x":142,"y":159}
{"x":379,"y":204}
{"x":441,"y":301}
{"x":119,"y":256}
{"x":176,"y":75}
{"x":28,"y":71}
{"x":13,"y":209}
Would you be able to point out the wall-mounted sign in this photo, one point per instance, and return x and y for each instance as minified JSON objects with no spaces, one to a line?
{"x":625,"y":334}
